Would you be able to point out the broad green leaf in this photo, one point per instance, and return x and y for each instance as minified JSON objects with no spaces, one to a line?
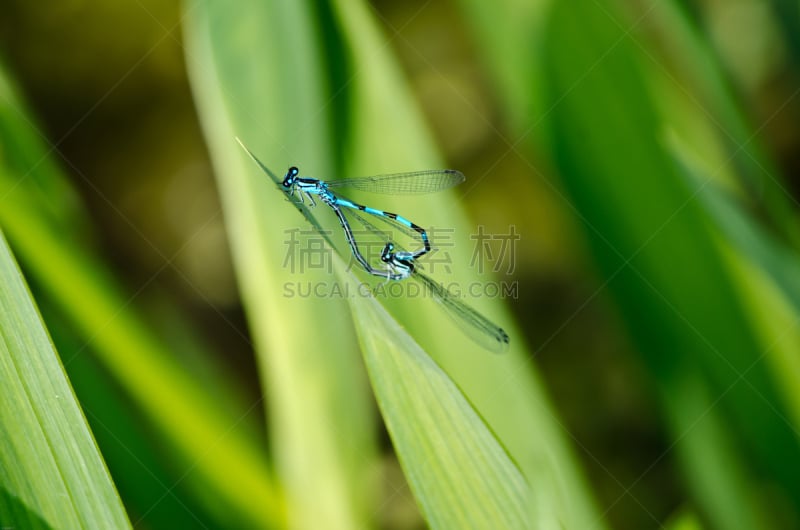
{"x":145,"y":482}
{"x":43,"y":221}
{"x":259,"y":73}
{"x":51,"y":474}
{"x":460,"y":473}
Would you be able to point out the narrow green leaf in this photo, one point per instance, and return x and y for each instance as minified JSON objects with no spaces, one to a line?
{"x":51,"y":474}
{"x":460,"y":473}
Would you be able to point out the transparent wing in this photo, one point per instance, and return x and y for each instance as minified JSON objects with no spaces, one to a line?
{"x":479,"y":328}
{"x":415,"y":182}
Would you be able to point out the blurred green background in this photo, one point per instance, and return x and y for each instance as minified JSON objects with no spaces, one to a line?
{"x":646,"y":153}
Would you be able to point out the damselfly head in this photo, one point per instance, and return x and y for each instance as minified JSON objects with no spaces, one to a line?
{"x":291,"y":176}
{"x":387,"y":254}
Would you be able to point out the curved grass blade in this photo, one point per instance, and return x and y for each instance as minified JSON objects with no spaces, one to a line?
{"x":51,"y":474}
{"x":459,"y":471}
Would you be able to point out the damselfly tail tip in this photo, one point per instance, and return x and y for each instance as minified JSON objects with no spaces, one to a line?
{"x":502,"y":341}
{"x":458,"y":176}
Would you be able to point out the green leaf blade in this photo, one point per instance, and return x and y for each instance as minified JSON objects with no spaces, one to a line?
{"x":48,"y":228}
{"x":257,"y":75}
{"x":460,"y":473}
{"x":52,"y":474}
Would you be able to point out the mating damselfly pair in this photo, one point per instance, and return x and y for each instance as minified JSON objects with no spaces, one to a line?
{"x":398,"y":263}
